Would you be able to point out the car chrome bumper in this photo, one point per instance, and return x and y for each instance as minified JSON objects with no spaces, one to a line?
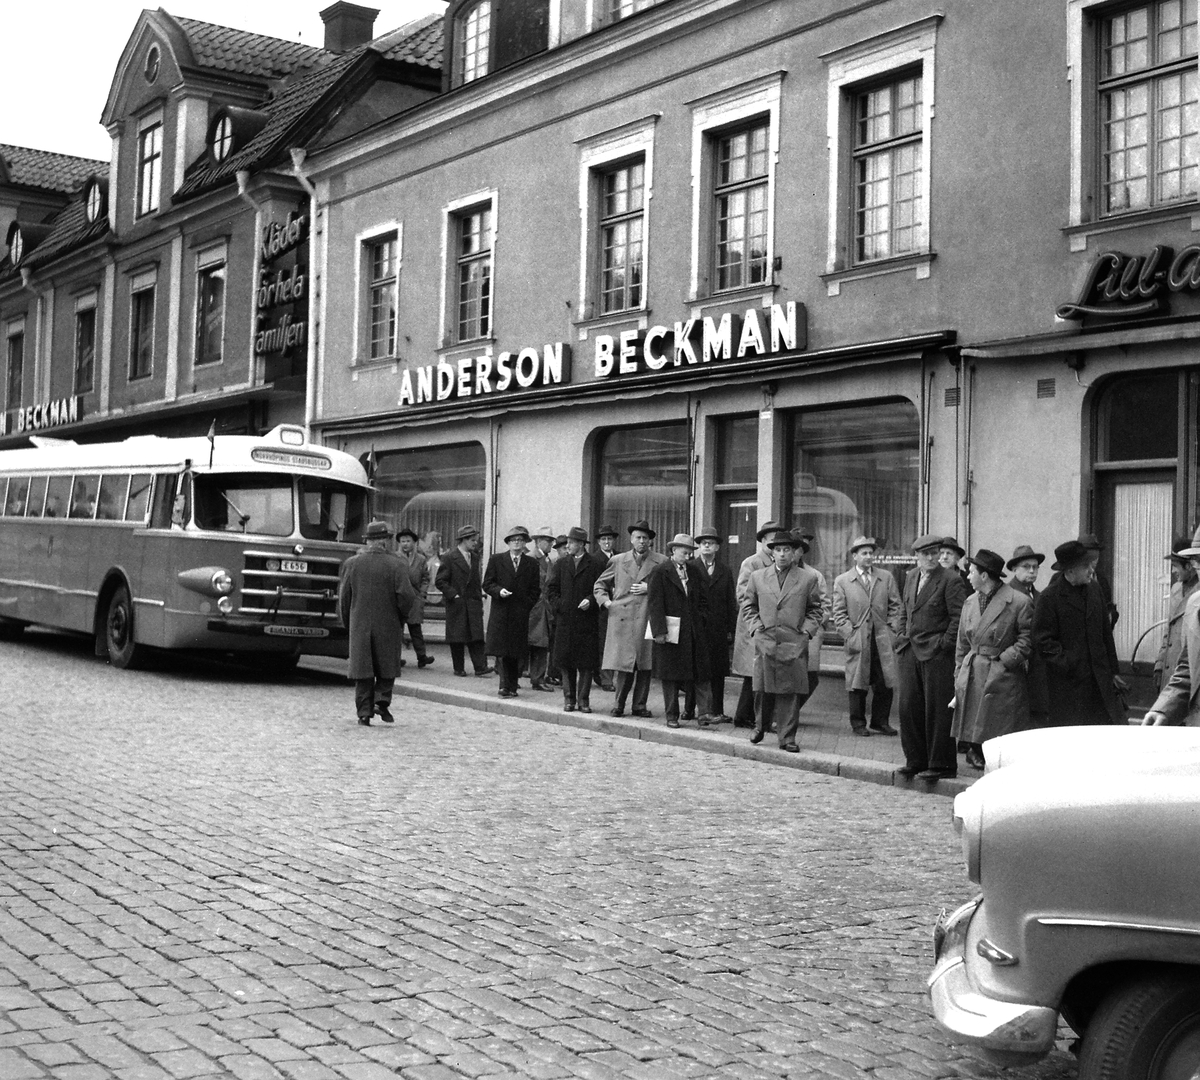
{"x":1009,"y":1033}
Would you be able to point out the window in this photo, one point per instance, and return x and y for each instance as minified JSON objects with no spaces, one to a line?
{"x":58,"y":495}
{"x":18,"y":496}
{"x":222,"y":138}
{"x":740,"y":192}
{"x":643,"y":473}
{"x":141,"y":333}
{"x":15,"y":371}
{"x":150,"y":151}
{"x":245,"y":503}
{"x":471,"y":42}
{"x":622,"y":206}
{"x":1148,"y":106}
{"x":85,"y":349}
{"x":37,"y":496}
{"x":210,"y":314}
{"x":139,"y":497}
{"x":382,"y":257}
{"x":615,"y":10}
{"x":887,"y":166}
{"x":83,"y":496}
{"x":331,"y":511}
{"x":474,"y":274}
{"x":110,"y":506}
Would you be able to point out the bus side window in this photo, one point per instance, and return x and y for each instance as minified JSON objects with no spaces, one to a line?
{"x":111,"y":502}
{"x":83,"y":496}
{"x":164,"y":497}
{"x":37,"y":496}
{"x":58,"y":491}
{"x":181,"y":508}
{"x":139,"y":497}
{"x":18,"y":494}
{"x":3,"y":496}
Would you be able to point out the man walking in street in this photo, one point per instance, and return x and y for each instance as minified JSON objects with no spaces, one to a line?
{"x":866,"y":612}
{"x":459,"y":582}
{"x":570,"y":595}
{"x":677,"y":609}
{"x":513,"y":583}
{"x":707,"y":700}
{"x":375,"y":597}
{"x":743,"y":651}
{"x":418,"y":574}
{"x":622,"y":590}
{"x":606,"y":548}
{"x":934,"y":595}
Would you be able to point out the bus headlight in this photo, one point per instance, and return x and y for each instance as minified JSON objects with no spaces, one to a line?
{"x":207,"y":580}
{"x":224,"y":605}
{"x":222,"y":582}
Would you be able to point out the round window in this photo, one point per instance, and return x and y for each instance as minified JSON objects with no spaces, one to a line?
{"x":17,"y":248}
{"x":222,"y":139}
{"x":152,"y":59}
{"x":94,"y":203}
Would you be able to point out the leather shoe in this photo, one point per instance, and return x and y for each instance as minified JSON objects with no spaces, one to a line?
{"x":403,"y":662}
{"x":617,"y":711}
{"x":886,"y":729}
{"x":425,"y":661}
{"x":541,"y":685}
{"x":585,"y":708}
{"x":485,"y":671}
{"x":862,"y":731}
{"x":641,"y":712}
{"x":722,"y":719}
{"x":757,"y":737}
{"x":672,"y":722}
{"x":608,"y":687}
{"x":461,"y":674}
{"x":975,"y":757}
{"x":508,"y":693}
{"x":907,"y":772}
{"x":790,"y":747}
{"x":685,"y":717}
{"x":569,"y":706}
{"x":933,"y":775}
{"x":365,"y":721}
{"x":385,"y":714}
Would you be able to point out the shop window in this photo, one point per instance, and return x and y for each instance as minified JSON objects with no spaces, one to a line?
{"x":150,"y":154}
{"x":472,"y":41}
{"x":1139,"y":419}
{"x":141,"y":333}
{"x":210,"y":313}
{"x":643,"y":473}
{"x":15,"y":370}
{"x":381,"y":260}
{"x":85,"y":349}
{"x":473,"y":274}
{"x":622,"y":209}
{"x":855,"y":471}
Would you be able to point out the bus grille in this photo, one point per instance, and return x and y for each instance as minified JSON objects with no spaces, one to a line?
{"x":310,"y":595}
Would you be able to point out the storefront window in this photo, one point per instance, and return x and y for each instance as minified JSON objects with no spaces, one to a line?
{"x":644,"y":474}
{"x":1139,"y":418}
{"x":856,"y":471}
{"x":737,"y":451}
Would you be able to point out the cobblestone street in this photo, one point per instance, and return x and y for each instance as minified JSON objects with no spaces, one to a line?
{"x":206,"y":872}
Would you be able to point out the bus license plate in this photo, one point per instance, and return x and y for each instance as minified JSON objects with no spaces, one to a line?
{"x":296,"y":631}
{"x":293,"y":566}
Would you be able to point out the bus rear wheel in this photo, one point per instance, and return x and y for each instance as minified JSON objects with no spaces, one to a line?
{"x":118,"y":631}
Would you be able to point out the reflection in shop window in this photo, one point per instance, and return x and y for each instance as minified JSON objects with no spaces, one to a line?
{"x":856,"y":471}
{"x":644,"y":474}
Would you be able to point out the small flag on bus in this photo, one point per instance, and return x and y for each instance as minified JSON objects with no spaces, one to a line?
{"x":212,"y":441}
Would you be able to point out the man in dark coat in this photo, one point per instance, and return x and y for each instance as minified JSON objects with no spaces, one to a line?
{"x":461,"y":587}
{"x":707,"y":701}
{"x":513,"y":582}
{"x":1072,"y":632}
{"x":570,"y":595}
{"x":1025,"y":565}
{"x":541,"y":618}
{"x":375,"y":596}
{"x":931,"y":608}
{"x":606,"y":548}
{"x":418,"y":573}
{"x":675,"y":593}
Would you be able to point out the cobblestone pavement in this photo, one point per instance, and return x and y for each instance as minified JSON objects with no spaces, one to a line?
{"x":204,"y":872}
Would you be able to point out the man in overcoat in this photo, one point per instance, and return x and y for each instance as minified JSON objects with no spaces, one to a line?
{"x":606,"y":548}
{"x":806,"y":539}
{"x":1072,"y":631}
{"x":541,"y":618}
{"x":459,"y":582}
{"x":514,"y":584}
{"x":927,"y":636}
{"x":742,"y":663}
{"x":783,"y":610}
{"x":375,"y":596}
{"x":622,"y":589}
{"x":680,"y":655}
{"x":1179,"y":700}
{"x":1183,"y":583}
{"x":707,"y":700}
{"x":570,"y":595}
{"x":866,"y":612}
{"x":419,"y":575}
{"x":1025,"y":565}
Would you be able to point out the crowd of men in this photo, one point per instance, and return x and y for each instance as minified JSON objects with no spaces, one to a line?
{"x":967,"y":654}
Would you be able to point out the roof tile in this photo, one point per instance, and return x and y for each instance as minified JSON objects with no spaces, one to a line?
{"x":223,"y":48}
{"x":51,"y":172}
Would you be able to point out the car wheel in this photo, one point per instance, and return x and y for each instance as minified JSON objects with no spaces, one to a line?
{"x":118,"y":631}
{"x":1148,"y":1029}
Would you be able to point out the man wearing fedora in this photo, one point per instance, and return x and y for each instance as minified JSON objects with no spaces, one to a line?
{"x":783,"y":609}
{"x":931,"y":607}
{"x":1025,"y":565}
{"x":606,"y":548}
{"x":742,"y":663}
{"x":375,"y":596}
{"x":1183,"y":584}
{"x":1072,"y":632}
{"x":541,"y":618}
{"x":677,"y":606}
{"x":1178,"y":701}
{"x":458,"y":580}
{"x":419,"y":575}
{"x":571,"y":598}
{"x":707,"y":701}
{"x":953,"y":556}
{"x":622,"y":589}
{"x":866,"y":612}
{"x":512,"y":581}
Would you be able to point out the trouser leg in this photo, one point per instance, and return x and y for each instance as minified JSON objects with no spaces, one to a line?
{"x":858,"y":708}
{"x":364,"y":698}
{"x":478,"y":655}
{"x":690,"y":705}
{"x":584,"y":689}
{"x":569,"y":686}
{"x":701,"y":691}
{"x":457,"y":650}
{"x":539,"y":657}
{"x":418,"y":640}
{"x":510,"y":669}
{"x":788,"y":717}
{"x":622,"y":681}
{"x":716,"y":696}
{"x":764,"y":711}
{"x":939,"y":689}
{"x":383,"y":691}
{"x":881,"y":697}
{"x":912,"y":711}
{"x":744,"y":714}
{"x":641,"y":688}
{"x":670,"y":689}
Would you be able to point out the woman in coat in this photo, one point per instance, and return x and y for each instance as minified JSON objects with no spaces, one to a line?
{"x":991,"y":695}
{"x":570,"y":599}
{"x":677,"y":593}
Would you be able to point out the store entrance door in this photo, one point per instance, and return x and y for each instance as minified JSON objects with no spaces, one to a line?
{"x":737,"y":521}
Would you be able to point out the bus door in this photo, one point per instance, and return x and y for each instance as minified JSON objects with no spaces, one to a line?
{"x":166,"y":505}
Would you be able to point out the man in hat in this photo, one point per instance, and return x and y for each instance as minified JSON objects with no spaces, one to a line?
{"x":375,"y":596}
{"x":951,"y":555}
{"x":419,"y":575}
{"x":707,"y":701}
{"x":783,"y":610}
{"x":570,"y":595}
{"x":1092,"y":542}
{"x":513,"y":583}
{"x":1183,"y":584}
{"x":1177,"y":701}
{"x":931,"y":607}
{"x":743,"y":650}
{"x":1073,"y":635}
{"x":606,"y":548}
{"x":806,"y":538}
{"x":541,"y":618}
{"x":458,"y":580}
{"x":677,"y":607}
{"x":1025,"y":565}
{"x":623,"y":590}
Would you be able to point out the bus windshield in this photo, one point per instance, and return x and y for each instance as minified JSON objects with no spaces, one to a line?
{"x":331,"y":511}
{"x":244,"y":503}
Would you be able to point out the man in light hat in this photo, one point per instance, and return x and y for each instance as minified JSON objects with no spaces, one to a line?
{"x":783,"y":610}
{"x":1177,"y":702}
{"x":926,"y":639}
{"x":866,"y":612}
{"x":622,"y":590}
{"x":421,"y":578}
{"x":458,"y":580}
{"x":541,"y":618}
{"x":512,"y":581}
{"x":1025,"y":565}
{"x":677,"y":607}
{"x":571,"y":597}
{"x":375,"y":596}
{"x":743,"y":649}
{"x":953,"y":556}
{"x":606,"y":548}
{"x":1183,"y":584}
{"x":707,"y":702}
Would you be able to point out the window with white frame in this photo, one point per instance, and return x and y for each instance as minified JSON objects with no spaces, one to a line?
{"x":85,"y":345}
{"x":473,"y":273}
{"x":141,"y":331}
{"x":210,"y":306}
{"x":381,"y":258}
{"x":622,"y":210}
{"x":150,"y":156}
{"x":472,"y":42}
{"x":615,"y":10}
{"x":14,"y":366}
{"x":880,"y":112}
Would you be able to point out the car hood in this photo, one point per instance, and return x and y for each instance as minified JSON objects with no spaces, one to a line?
{"x":1155,"y":750}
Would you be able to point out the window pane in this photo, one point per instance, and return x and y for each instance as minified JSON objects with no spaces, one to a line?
{"x":1125,"y":44}
{"x":644,"y":474}
{"x":1177,"y":136}
{"x":474,"y":32}
{"x":331,"y":511}
{"x":1140,"y":419}
{"x":18,"y":496}
{"x":16,"y":371}
{"x":210,"y":330}
{"x":244,"y":504}
{"x":37,"y":496}
{"x":139,"y":497}
{"x":85,"y":349}
{"x":58,"y":497}
{"x":737,"y":451}
{"x":111,"y":504}
{"x":141,"y":342}
{"x":83,"y":496}
{"x":150,"y":168}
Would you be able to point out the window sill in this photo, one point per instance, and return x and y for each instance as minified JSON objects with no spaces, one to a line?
{"x":1077,"y":235}
{"x":207,"y":363}
{"x":469,"y":348}
{"x":639,"y":315}
{"x":139,"y":378}
{"x":919,"y":264}
{"x":735,"y":297}
{"x":363,"y":363}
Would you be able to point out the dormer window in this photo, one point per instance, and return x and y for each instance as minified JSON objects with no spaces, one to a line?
{"x":94,"y":201}
{"x":150,"y":152}
{"x":472,"y":42}
{"x":153,"y":60}
{"x":231,"y":129}
{"x":222,"y":139}
{"x":16,"y":247}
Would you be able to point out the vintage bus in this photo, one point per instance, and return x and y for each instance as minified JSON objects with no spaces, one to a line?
{"x":229,"y":543}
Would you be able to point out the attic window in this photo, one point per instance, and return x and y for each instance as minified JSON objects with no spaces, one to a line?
{"x":94,"y":202}
{"x":473,"y":39}
{"x":16,"y":247}
{"x":222,"y":138}
{"x":152,"y":62}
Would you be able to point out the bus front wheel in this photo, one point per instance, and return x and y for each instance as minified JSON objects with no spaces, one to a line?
{"x":118,"y":631}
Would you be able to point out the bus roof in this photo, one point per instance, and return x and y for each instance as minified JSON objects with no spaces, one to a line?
{"x":281,"y":450}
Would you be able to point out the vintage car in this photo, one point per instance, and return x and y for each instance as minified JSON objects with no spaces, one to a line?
{"x":1086,"y":845}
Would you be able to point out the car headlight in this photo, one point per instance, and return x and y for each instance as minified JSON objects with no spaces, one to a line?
{"x":222,"y":582}
{"x":968,"y":823}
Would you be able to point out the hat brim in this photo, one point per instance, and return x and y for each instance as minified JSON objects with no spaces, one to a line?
{"x":1186,"y":553}
{"x":1025,"y":558}
{"x":649,"y":532}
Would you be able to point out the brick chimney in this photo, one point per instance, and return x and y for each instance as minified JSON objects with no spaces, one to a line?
{"x":348,"y":26}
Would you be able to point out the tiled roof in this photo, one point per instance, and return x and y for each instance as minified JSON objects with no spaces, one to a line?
{"x":50,"y":172}
{"x":418,"y":42}
{"x":223,"y":48}
{"x":71,"y":230}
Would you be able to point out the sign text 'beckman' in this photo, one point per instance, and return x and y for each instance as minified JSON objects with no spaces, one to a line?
{"x":47,"y":415}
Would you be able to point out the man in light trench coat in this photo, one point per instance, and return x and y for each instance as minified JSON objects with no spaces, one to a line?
{"x":375,"y":596}
{"x":743,"y":651}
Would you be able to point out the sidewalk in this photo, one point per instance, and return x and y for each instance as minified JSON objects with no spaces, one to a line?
{"x":825,"y":740}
